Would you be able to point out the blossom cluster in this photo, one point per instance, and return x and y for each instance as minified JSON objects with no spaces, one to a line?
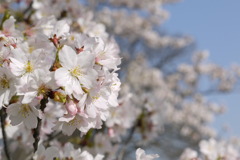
{"x":54,"y":75}
{"x":214,"y":150}
{"x":71,"y":68}
{"x":175,"y":98}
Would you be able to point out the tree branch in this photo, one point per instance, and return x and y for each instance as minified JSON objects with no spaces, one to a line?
{"x":28,"y":8}
{"x":3,"y":117}
{"x":36,"y":131}
{"x":125,"y":143}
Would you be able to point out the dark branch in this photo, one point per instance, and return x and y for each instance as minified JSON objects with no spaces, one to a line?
{"x":126,"y":142}
{"x":36,"y":131}
{"x":28,"y":8}
{"x":3,"y":117}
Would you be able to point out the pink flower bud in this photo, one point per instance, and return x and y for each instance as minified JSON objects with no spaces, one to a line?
{"x":40,"y":97}
{"x":97,"y":60}
{"x":111,"y":132}
{"x":71,"y":108}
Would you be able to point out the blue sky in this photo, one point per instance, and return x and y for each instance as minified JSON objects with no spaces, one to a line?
{"x":215,"y":25}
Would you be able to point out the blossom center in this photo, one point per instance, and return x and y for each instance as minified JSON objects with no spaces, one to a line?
{"x":76,"y":72}
{"x":28,"y":67}
{"x":43,"y":90}
{"x":4,"y":82}
{"x":74,"y":122}
{"x":95,"y":97}
{"x":101,"y":54}
{"x":1,"y":60}
{"x":24,"y":110}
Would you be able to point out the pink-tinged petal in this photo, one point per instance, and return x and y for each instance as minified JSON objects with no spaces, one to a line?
{"x":71,"y":108}
{"x":66,"y":118}
{"x":68,"y":57}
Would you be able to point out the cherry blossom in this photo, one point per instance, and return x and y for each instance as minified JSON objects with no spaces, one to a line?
{"x":61,"y":96}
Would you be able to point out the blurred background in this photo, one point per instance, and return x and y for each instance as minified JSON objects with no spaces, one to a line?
{"x":215,"y":26}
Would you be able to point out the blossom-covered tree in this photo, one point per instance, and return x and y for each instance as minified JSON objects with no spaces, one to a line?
{"x":61,"y":97}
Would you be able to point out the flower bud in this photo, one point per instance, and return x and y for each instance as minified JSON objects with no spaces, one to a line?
{"x":111,"y":132}
{"x":71,"y":108}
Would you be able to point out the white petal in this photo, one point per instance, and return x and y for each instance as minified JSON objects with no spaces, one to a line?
{"x":13,"y":109}
{"x":85,"y":59}
{"x":68,"y":57}
{"x":62,"y":76}
{"x":31,"y":121}
{"x":15,"y":120}
{"x":68,"y":129}
{"x":77,"y":86}
{"x":9,"y":24}
{"x":28,"y":97}
{"x":16,"y":67}
{"x":91,"y":111}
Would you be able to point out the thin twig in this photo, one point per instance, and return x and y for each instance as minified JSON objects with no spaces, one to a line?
{"x":36,"y":131}
{"x":126,"y":142}
{"x":28,"y":8}
{"x":51,"y":137}
{"x":3,"y":117}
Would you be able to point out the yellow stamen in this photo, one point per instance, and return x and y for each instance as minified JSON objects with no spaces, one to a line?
{"x":95,"y":97}
{"x":74,"y":122}
{"x":30,"y":49}
{"x":28,"y":67}
{"x":24,"y":110}
{"x":85,"y":90}
{"x":102,"y":53}
{"x":43,"y":90}
{"x":76,"y":72}
{"x":4,"y":82}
